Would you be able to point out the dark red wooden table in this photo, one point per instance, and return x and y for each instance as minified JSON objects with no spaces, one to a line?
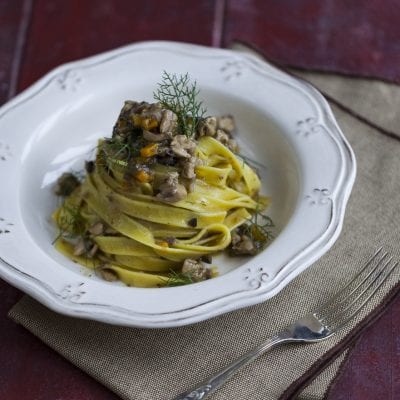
{"x":347,"y":36}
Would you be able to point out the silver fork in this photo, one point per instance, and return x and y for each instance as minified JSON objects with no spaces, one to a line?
{"x":315,"y":326}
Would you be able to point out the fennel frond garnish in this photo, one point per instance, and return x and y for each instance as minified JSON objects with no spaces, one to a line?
{"x":178,"y":279}
{"x":70,"y":222}
{"x":178,"y":94}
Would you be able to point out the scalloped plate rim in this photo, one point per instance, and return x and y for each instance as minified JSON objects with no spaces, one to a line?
{"x":103,"y":313}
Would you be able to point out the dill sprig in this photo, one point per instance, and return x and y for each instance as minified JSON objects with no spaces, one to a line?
{"x":263,"y":223}
{"x":117,"y":153}
{"x":178,"y":94}
{"x":117,"y":149}
{"x":71,"y":223}
{"x":178,"y":279}
{"x":114,"y":153}
{"x":258,"y":230}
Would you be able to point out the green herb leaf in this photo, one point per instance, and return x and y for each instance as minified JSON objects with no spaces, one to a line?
{"x":178,"y":279}
{"x":258,"y":230}
{"x":71,"y":223}
{"x":178,"y":94}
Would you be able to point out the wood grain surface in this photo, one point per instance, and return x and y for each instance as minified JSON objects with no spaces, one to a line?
{"x":347,"y":36}
{"x":351,"y":37}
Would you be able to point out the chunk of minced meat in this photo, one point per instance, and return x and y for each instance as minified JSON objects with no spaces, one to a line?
{"x":66,"y":184}
{"x":168,"y":121}
{"x":208,"y":127}
{"x":96,"y":229}
{"x":232,"y":145}
{"x":188,"y":168}
{"x":154,"y":136}
{"x":86,"y":247}
{"x":153,"y":110}
{"x":222,"y":136}
{"x":182,"y":146}
{"x":226,"y":140}
{"x":146,"y":110}
{"x":242,"y":245}
{"x":195,"y":270}
{"x":122,"y":126}
{"x":92,"y":252}
{"x":171,"y":190}
{"x":135,"y":114}
{"x":227,"y":123}
{"x":106,"y":273}
{"x":80,"y":247}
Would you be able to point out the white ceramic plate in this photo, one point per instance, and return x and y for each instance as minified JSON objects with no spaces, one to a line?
{"x":283,"y":123}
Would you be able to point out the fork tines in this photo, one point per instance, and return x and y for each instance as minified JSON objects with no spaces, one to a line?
{"x":348,"y":302}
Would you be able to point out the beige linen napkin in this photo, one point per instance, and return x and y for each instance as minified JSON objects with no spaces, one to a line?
{"x":144,"y":364}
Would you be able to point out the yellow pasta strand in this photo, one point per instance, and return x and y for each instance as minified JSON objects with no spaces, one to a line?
{"x":236,"y":218}
{"x":163,"y":214}
{"x":137,"y":278}
{"x":153,"y":264}
{"x":214,"y":176}
{"x":68,"y":250}
{"x":209,"y":145}
{"x":121,"y":245}
{"x":149,"y":237}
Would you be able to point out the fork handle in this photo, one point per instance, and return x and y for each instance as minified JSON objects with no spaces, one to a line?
{"x":203,"y":389}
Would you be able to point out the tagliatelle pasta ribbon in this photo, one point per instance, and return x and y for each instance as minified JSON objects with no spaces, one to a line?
{"x":149,"y":237}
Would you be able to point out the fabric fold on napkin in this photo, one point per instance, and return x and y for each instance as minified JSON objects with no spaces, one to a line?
{"x":143,"y":364}
{"x":380,"y":100}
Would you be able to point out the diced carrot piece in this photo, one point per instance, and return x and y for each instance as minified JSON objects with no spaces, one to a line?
{"x":143,"y":176}
{"x":149,"y":123}
{"x":149,"y":150}
{"x":137,"y":120}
